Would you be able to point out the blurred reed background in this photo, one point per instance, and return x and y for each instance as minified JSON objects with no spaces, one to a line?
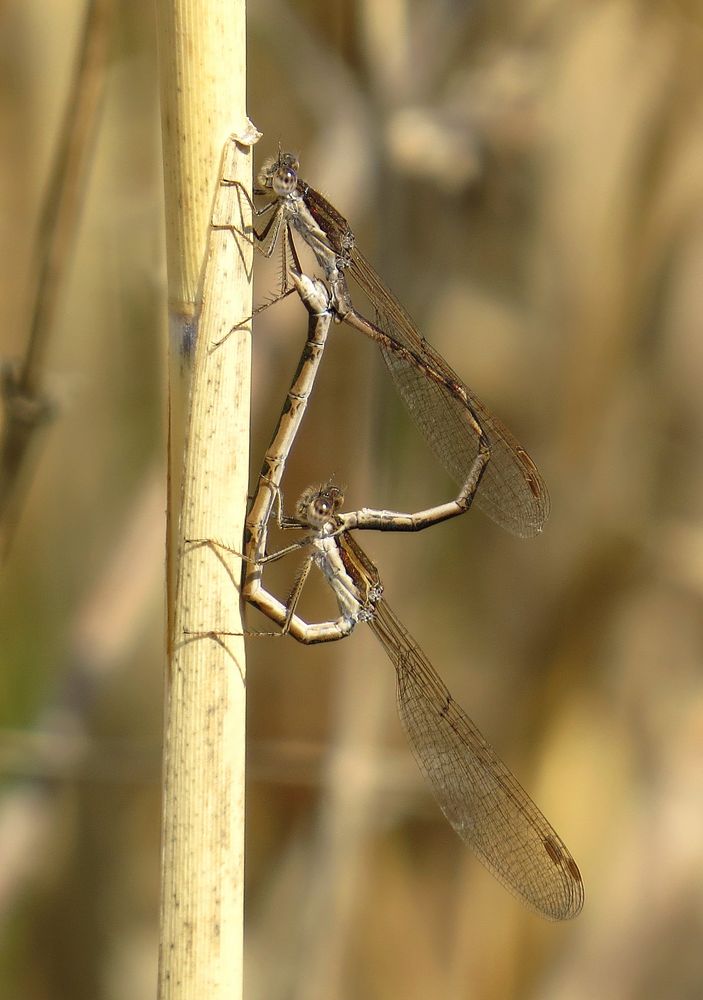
{"x":528,"y":178}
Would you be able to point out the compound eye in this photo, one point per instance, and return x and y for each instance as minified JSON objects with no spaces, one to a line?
{"x":285,"y":180}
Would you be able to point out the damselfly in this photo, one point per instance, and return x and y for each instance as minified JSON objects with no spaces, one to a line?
{"x":476,"y":449}
{"x":480,"y":797}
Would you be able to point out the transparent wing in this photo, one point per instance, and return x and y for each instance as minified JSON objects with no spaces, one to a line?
{"x":511,"y":492}
{"x":482,"y":800}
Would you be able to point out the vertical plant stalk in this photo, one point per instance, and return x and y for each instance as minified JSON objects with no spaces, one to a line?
{"x":202,"y":63}
{"x":21,"y":386}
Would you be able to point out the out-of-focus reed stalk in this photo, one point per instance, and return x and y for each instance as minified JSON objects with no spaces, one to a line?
{"x":26,"y":407}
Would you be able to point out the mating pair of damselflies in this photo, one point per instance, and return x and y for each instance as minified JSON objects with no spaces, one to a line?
{"x":477,"y":793}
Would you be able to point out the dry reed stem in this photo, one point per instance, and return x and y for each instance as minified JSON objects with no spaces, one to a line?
{"x":202,"y":57}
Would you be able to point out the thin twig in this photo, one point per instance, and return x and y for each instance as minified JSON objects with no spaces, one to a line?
{"x":26,"y":406}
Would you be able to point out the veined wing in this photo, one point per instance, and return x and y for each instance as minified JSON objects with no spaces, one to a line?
{"x":482,"y":800}
{"x":511,"y":492}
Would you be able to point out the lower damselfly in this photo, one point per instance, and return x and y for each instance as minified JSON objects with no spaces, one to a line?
{"x":476,"y":791}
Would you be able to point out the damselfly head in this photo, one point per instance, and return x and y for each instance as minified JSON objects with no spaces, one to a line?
{"x":318,"y":504}
{"x":279,"y":174}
